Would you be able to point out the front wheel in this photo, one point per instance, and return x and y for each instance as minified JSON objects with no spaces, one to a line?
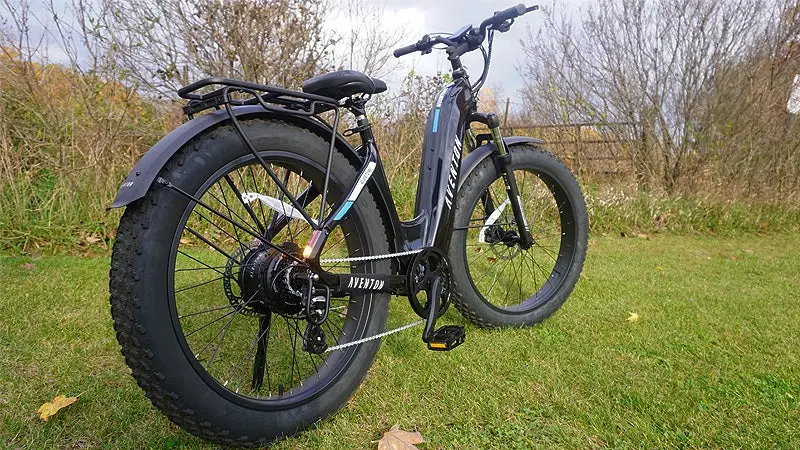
{"x":497,"y":282}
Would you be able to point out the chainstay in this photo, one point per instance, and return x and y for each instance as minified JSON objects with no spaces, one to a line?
{"x":385,"y":333}
{"x":372,"y":338}
{"x":369,"y":258}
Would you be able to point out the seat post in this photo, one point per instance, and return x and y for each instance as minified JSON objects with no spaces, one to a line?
{"x":357,"y":106}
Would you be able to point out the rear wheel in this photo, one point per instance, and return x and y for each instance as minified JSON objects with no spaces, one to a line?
{"x":209,"y":317}
{"x":497,"y":282}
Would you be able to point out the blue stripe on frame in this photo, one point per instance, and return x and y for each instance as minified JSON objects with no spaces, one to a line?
{"x":344,"y":210}
{"x":436,"y":120}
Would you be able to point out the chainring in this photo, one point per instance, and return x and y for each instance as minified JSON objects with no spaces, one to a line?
{"x":424,"y":266}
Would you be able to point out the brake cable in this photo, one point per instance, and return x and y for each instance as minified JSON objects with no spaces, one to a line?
{"x":487,"y":61}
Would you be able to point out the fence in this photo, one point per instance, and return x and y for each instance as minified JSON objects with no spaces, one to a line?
{"x":589,"y":148}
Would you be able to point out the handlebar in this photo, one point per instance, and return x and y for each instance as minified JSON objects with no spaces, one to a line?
{"x":402,"y":51}
{"x":473,"y":38}
{"x":506,"y":14}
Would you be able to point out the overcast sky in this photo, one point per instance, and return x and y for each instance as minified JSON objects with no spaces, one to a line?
{"x":417,"y":17}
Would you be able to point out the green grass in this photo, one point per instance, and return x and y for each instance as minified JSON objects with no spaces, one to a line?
{"x":714,"y":360}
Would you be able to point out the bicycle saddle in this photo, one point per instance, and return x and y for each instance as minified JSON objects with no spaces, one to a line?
{"x":343,"y":83}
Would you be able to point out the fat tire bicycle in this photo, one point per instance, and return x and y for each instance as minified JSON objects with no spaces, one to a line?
{"x":254,"y":262}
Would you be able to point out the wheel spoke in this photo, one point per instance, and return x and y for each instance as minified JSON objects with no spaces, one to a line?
{"x":246,"y":206}
{"x":267,"y":364}
{"x":211,"y":244}
{"x":204,"y":311}
{"x":202,"y":283}
{"x":207,"y":267}
{"x":230,"y":211}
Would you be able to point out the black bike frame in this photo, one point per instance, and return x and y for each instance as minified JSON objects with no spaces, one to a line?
{"x":439,"y":170}
{"x":441,"y":161}
{"x":437,"y":187}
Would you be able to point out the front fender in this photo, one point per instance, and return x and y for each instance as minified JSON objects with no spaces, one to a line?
{"x":476,"y":156}
{"x":146,"y":170}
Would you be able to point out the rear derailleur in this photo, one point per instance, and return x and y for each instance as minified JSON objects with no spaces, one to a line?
{"x":317,"y":308}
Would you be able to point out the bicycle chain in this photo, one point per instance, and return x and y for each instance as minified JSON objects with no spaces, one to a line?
{"x":369,"y":258}
{"x":372,"y":338}
{"x":385,"y":333}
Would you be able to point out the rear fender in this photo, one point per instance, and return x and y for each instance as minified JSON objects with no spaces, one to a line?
{"x":139,"y":180}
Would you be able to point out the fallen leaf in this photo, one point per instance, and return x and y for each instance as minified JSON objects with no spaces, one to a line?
{"x":491,"y":259}
{"x":641,"y":235}
{"x":659,"y":267}
{"x":27,"y":266}
{"x":633,"y":317}
{"x":397,"y":439}
{"x":50,"y":408}
{"x":92,"y":239}
{"x":478,"y":249}
{"x":185,"y":241}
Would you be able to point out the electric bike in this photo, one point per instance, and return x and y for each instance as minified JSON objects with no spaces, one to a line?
{"x":255,"y":260}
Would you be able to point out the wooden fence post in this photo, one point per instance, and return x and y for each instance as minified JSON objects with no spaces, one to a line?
{"x":578,"y":150}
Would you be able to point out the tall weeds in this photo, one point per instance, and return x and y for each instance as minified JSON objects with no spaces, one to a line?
{"x":70,"y":133}
{"x":66,"y":140}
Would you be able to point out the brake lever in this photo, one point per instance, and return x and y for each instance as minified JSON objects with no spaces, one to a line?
{"x":505,"y":26}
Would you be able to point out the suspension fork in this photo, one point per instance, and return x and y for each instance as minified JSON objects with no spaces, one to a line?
{"x":486,"y":199}
{"x":503,"y":160}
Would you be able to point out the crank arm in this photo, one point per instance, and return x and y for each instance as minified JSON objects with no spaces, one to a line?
{"x":434,"y":303}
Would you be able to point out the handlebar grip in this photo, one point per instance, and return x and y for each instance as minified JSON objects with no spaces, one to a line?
{"x":510,"y":13}
{"x":506,"y":14}
{"x":405,"y":50}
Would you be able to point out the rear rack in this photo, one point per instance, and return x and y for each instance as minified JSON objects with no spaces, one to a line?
{"x":270,"y":98}
{"x":273,"y":99}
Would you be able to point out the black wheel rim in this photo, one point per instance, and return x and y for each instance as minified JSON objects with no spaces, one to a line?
{"x":509,"y":278}
{"x":212,"y":329}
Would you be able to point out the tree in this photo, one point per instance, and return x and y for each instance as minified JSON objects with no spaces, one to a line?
{"x":364,"y":42}
{"x":651,"y":63}
{"x":165,"y":44}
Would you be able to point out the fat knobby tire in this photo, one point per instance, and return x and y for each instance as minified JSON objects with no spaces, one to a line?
{"x":139,"y":294}
{"x":471,"y":303}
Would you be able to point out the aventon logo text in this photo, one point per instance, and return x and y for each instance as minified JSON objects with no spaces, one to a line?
{"x":370,"y":284}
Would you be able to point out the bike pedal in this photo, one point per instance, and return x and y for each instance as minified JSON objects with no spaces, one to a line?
{"x":447,"y":338}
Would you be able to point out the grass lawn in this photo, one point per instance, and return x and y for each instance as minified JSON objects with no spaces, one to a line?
{"x":714,"y":360}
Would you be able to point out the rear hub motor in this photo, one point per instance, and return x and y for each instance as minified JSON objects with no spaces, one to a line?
{"x":264,"y":280}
